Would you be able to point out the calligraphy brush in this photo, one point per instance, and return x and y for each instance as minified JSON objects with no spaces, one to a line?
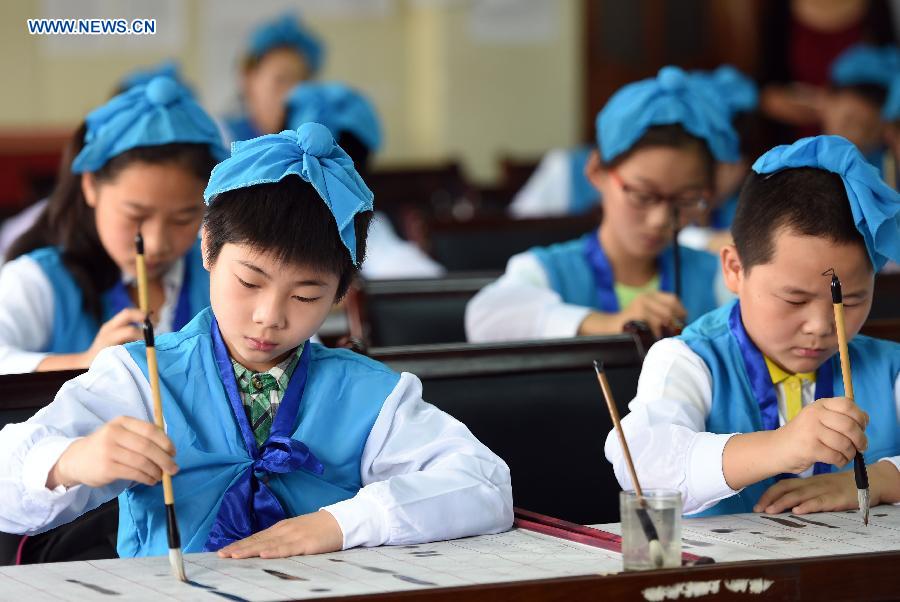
{"x":859,"y":463}
{"x":676,"y":251}
{"x":656,"y":549}
{"x":176,"y":560}
{"x":677,"y":324}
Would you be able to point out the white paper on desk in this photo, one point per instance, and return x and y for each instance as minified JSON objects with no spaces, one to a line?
{"x":512,"y":556}
{"x":735,"y":537}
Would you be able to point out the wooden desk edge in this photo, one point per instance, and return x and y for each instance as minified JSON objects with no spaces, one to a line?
{"x":873,"y":576}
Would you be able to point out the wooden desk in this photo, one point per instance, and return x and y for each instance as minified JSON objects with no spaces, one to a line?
{"x":851,"y":577}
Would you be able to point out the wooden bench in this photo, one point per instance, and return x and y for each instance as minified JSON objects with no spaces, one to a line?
{"x":487,"y":243}
{"x":539,"y":407}
{"x":385,"y":313}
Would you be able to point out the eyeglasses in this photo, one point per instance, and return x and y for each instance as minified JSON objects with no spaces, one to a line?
{"x":691,"y":203}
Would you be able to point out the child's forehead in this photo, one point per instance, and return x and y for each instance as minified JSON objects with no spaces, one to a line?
{"x":802,"y":259}
{"x":268,"y":260}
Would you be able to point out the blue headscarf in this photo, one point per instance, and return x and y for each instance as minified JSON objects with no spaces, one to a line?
{"x":338,"y":107}
{"x":311,"y":153}
{"x":729,"y":86}
{"x":874,"y":204}
{"x":287,"y":31}
{"x":668,"y":99}
{"x":143,"y":76}
{"x":891,"y":110}
{"x":865,"y":64}
{"x":161,"y":112}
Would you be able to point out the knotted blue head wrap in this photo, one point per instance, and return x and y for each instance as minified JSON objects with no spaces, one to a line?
{"x":287,"y":31}
{"x":891,"y":110}
{"x":338,"y":107}
{"x":142,"y":77}
{"x":730,"y":87}
{"x":161,"y":112}
{"x":874,"y":204}
{"x":865,"y":64}
{"x":311,"y":153}
{"x":670,"y":98}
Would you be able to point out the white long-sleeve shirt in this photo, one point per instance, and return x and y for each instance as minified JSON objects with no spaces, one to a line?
{"x":27,"y":306}
{"x":425,"y":476}
{"x":389,"y":256}
{"x":520,"y":305}
{"x":548,"y":192}
{"x":666,"y":428}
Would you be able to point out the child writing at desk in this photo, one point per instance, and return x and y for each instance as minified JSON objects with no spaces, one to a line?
{"x":68,"y":291}
{"x":658,"y":140}
{"x":752,"y":392}
{"x":279,"y":446}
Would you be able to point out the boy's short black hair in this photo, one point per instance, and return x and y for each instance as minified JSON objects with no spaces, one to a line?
{"x":289,"y":220}
{"x":806,"y":200}
{"x":672,"y":136}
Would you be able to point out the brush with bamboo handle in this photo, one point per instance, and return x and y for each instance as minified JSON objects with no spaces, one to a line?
{"x":859,"y":463}
{"x":656,"y":550}
{"x":176,"y":560}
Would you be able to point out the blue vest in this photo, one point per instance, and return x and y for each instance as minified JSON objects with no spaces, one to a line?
{"x":582,"y":195}
{"x":343,"y":397}
{"x":735,"y":409}
{"x":74,"y":328}
{"x":571,"y":275}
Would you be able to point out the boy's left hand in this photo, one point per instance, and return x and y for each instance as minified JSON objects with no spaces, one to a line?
{"x":829,"y":492}
{"x":315,"y":533}
{"x":819,"y":493}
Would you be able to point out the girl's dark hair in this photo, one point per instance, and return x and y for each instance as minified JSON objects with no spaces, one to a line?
{"x":805,"y":200}
{"x":68,"y":222}
{"x":289,"y":220}
{"x":672,"y":136}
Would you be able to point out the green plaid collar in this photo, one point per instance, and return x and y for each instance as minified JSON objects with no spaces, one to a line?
{"x":281,"y":374}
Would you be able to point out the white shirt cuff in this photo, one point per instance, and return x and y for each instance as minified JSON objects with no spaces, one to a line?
{"x":362,"y":519}
{"x":39,"y":461}
{"x":23,"y":362}
{"x":894,"y":460}
{"x":705,"y":476}
{"x":562,"y":321}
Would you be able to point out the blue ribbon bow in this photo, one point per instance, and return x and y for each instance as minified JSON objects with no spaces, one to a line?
{"x":309,"y":153}
{"x":248,"y":505}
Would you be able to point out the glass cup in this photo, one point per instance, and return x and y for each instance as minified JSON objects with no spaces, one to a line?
{"x":663,"y":509}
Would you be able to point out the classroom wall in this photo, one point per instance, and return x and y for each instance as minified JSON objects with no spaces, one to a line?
{"x":448,"y":83}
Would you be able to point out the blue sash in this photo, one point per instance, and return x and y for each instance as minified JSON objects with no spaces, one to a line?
{"x":118,"y":300}
{"x":248,"y":505}
{"x":761,"y":381}
{"x":604,"y":279}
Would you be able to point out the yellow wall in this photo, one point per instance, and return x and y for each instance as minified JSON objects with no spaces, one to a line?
{"x":441,"y":93}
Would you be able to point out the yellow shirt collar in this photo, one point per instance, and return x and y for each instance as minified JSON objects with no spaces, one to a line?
{"x":778,"y":375}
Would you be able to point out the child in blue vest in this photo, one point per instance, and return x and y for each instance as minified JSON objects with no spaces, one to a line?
{"x":752,"y":392}
{"x":351,"y":118}
{"x":658,"y":141}
{"x":860,"y":78}
{"x":737,"y":94}
{"x":558,"y":186}
{"x":139,"y":160}
{"x":280,"y":54}
{"x":279,"y":446}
